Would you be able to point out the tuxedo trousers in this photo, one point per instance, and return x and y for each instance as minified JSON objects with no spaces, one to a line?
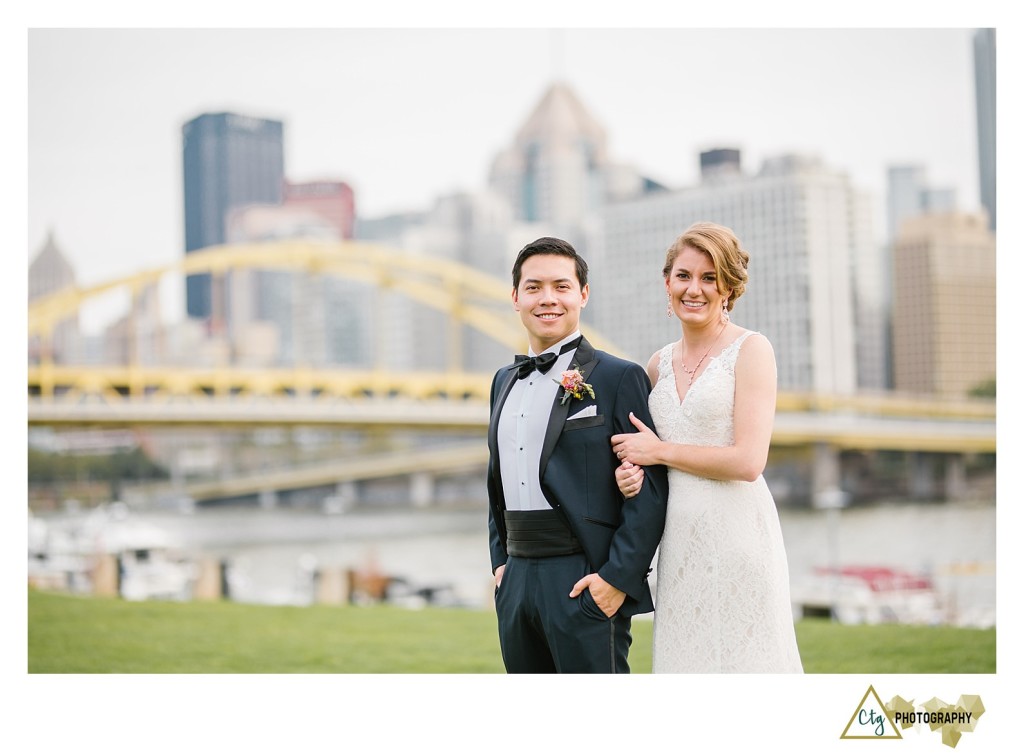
{"x":542,"y":629}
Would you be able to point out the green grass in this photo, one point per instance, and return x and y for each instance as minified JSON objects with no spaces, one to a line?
{"x":71,"y":634}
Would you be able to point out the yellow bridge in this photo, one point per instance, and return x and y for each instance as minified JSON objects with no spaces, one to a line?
{"x":122,"y":396}
{"x":224,"y":395}
{"x":130,"y":394}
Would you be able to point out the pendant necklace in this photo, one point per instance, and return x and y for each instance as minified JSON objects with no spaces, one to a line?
{"x":692,"y":372}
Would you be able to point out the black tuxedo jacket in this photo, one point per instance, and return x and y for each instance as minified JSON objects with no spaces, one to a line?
{"x":577,"y":474}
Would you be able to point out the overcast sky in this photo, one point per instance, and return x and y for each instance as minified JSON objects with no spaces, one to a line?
{"x":407,"y":115}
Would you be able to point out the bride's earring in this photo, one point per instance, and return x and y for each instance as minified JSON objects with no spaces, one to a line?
{"x":668,"y":308}
{"x":725,"y":311}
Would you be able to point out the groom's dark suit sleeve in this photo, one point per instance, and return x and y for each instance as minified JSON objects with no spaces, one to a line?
{"x":643,"y":516}
{"x":498,"y":554}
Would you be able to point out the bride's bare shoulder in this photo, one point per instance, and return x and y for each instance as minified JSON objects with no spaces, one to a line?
{"x":652,"y":367}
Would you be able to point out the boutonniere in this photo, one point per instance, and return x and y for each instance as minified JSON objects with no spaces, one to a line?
{"x":574,"y":386}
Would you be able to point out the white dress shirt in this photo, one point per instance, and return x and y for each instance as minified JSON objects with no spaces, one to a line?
{"x":521,"y":428}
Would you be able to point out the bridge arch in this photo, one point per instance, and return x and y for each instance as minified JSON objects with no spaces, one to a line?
{"x":466,"y":295}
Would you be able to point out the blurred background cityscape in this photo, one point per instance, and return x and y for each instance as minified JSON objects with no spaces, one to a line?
{"x":292,"y":408}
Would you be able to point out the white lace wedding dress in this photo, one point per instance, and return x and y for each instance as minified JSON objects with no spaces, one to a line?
{"x":722,"y":601}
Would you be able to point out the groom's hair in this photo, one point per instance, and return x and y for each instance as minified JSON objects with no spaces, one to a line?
{"x":547,"y":245}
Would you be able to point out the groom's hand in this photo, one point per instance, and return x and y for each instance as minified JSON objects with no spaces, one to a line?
{"x":499,"y":573}
{"x":607,"y":597}
{"x":629,"y":479}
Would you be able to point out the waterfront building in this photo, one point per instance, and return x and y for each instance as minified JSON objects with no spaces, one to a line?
{"x":944,"y":310}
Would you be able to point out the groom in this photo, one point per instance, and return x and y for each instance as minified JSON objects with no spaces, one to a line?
{"x":570,"y":556}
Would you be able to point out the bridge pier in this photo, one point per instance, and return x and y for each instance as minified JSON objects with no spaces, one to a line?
{"x":921,"y":481}
{"x":925,"y":482}
{"x":956,"y":476}
{"x":421,"y":489}
{"x":826,"y":475}
{"x":268,"y":499}
{"x":346,"y":494}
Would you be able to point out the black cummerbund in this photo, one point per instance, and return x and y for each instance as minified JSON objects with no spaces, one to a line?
{"x":539,"y":533}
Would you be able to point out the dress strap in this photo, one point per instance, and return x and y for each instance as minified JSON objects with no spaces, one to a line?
{"x":665,"y":363}
{"x":731,"y":351}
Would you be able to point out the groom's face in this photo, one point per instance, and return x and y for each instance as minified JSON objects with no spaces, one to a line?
{"x":549,"y":299}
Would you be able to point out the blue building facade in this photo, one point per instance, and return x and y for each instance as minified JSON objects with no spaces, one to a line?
{"x":229,"y":161}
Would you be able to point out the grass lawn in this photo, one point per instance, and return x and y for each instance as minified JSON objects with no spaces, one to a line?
{"x":72,"y":634}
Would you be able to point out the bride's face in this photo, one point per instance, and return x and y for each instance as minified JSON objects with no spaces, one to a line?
{"x":693,"y":288}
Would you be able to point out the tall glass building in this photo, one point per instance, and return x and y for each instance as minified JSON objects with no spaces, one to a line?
{"x":985,"y":98}
{"x":229,"y":161}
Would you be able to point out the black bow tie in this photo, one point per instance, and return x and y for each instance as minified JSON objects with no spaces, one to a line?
{"x":528,"y":364}
{"x":542,"y":363}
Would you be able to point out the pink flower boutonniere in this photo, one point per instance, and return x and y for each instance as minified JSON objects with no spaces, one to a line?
{"x":574,"y":386}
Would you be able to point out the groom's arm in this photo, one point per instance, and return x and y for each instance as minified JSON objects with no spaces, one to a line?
{"x":496,"y":545}
{"x":498,"y":556}
{"x":643,"y":515}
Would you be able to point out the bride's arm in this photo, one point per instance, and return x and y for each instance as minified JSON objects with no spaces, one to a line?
{"x":630,"y":477}
{"x":754,"y":414}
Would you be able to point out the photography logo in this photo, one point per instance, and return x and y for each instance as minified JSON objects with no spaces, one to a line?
{"x":874,"y":720}
{"x":871,"y":720}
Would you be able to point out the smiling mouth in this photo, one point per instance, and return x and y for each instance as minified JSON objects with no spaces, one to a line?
{"x":694,"y":304}
{"x":548,"y":317}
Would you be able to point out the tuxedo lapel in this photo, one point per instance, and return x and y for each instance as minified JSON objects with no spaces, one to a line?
{"x":584,"y":360}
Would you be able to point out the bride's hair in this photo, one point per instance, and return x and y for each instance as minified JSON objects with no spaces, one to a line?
{"x":722,"y":245}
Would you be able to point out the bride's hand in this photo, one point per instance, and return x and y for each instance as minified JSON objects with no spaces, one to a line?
{"x":630,"y":478}
{"x":639,"y":447}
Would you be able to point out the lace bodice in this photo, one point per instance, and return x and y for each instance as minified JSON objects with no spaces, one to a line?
{"x":704,"y":417}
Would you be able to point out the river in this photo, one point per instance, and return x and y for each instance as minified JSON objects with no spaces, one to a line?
{"x":272,"y":556}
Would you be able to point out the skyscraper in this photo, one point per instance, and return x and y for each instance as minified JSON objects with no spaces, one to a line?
{"x":944,"y":317}
{"x":813,"y":260}
{"x":332,"y":199}
{"x":229,"y":161}
{"x":49,"y":272}
{"x":985,"y":103}
{"x":552,"y":173}
{"x":905,"y":195}
{"x":558,"y":170}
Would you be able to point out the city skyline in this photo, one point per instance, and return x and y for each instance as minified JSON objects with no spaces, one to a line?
{"x":402,"y":137}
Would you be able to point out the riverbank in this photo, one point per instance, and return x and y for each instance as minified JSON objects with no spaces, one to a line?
{"x":275,"y":556}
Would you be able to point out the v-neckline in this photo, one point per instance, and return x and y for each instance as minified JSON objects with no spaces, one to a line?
{"x":675,"y":382}
{"x":681,"y":400}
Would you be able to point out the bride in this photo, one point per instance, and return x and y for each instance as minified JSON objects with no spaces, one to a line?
{"x":723,"y":600}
